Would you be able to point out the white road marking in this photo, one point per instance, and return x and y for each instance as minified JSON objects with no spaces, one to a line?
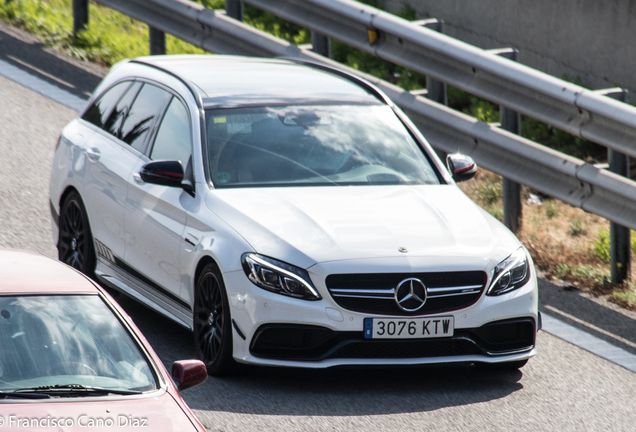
{"x":589,"y":343}
{"x":40,"y":71}
{"x":551,"y":325}
{"x":42,"y":87}
{"x":592,"y":326}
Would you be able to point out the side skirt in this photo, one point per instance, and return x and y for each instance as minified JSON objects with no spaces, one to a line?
{"x":115,"y":277}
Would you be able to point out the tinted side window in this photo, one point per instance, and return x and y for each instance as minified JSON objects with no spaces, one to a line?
{"x":173,"y":141}
{"x":117,"y":117}
{"x":146,"y":107}
{"x":99,"y":111}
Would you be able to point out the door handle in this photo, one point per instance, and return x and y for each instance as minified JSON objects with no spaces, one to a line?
{"x":137,"y":178}
{"x":93,"y":154}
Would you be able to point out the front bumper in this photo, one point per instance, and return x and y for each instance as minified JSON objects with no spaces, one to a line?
{"x":312,"y":343}
{"x":271,"y":329}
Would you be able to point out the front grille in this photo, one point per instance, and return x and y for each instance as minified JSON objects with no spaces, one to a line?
{"x":313,"y":343}
{"x":373,"y":293}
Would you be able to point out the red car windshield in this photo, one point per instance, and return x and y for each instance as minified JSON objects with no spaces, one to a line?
{"x":57,"y":340}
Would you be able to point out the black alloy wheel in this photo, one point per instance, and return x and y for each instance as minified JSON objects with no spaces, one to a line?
{"x":75,"y":243}
{"x":212,"y":323}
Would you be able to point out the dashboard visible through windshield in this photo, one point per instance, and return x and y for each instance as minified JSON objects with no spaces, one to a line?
{"x":321,"y":145}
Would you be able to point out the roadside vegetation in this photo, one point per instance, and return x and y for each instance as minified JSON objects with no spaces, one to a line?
{"x":109,"y":38}
{"x":566,"y":242}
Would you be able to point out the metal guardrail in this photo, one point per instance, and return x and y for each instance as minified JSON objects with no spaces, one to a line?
{"x":569,"y":107}
{"x":564,"y":105}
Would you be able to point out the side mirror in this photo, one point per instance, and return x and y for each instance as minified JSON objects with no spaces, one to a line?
{"x":188,"y":373}
{"x":461,"y":167}
{"x":164,"y":173}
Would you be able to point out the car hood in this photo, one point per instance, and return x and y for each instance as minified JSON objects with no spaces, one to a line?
{"x":127,"y":414}
{"x":308,"y":225}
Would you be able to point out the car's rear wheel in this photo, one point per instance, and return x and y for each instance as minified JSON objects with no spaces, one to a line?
{"x":212,"y":323}
{"x":75,"y":242}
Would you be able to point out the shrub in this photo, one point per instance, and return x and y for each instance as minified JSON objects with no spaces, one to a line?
{"x":597,"y":273}
{"x":561,"y":271}
{"x":602,"y":245}
{"x":551,"y":209}
{"x":577,"y":228}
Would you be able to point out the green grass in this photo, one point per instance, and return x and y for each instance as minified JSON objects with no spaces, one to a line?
{"x":109,"y":38}
{"x":626,"y":296}
{"x":602,"y":244}
{"x":598,"y":274}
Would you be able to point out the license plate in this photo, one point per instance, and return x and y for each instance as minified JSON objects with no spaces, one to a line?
{"x":413,"y":328}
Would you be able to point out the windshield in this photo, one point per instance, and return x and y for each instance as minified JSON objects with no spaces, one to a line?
{"x":67,"y":339}
{"x":313,"y":145}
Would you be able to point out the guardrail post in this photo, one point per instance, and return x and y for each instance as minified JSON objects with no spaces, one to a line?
{"x":80,"y":16}
{"x":511,"y":121}
{"x":157,"y":41}
{"x":234,"y":9}
{"x":436,"y":90}
{"x":619,"y":235}
{"x":320,"y":44}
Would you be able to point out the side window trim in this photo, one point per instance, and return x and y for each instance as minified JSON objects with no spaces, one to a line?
{"x":149,"y":139}
{"x":153,"y":136}
{"x":99,"y":98}
{"x":131,"y":88}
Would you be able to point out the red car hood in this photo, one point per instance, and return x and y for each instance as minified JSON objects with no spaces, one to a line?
{"x":160,"y":413}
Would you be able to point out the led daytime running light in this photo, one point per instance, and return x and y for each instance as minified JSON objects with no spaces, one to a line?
{"x":510,"y":274}
{"x":284,"y":277}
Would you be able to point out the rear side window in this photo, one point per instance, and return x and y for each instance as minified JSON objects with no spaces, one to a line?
{"x":101,"y":109}
{"x":117,"y":117}
{"x":148,"y":105}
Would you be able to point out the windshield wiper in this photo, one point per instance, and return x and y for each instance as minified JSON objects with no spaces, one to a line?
{"x":75,"y":389}
{"x":25,"y":395}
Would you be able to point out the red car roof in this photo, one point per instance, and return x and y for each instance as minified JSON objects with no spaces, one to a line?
{"x":30,"y":273}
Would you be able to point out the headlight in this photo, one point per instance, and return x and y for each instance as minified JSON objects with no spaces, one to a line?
{"x":510,"y":274}
{"x":278,"y":277}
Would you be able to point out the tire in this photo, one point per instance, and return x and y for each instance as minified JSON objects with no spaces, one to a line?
{"x":213,"y":323}
{"x":75,"y":242}
{"x":505,"y":366}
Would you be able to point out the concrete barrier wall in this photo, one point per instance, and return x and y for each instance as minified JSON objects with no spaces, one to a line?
{"x":594,"y":40}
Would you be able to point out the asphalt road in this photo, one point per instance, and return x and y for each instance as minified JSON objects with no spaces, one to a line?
{"x":563,"y":388}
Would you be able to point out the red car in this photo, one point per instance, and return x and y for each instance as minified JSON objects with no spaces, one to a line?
{"x":71,"y":359}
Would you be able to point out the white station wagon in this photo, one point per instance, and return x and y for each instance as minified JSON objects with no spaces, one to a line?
{"x":289,"y":214}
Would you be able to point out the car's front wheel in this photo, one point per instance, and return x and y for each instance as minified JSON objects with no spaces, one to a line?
{"x":75,"y":243}
{"x":212,"y":323}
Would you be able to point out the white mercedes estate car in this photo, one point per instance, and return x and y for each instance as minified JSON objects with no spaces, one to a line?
{"x":289,"y":214}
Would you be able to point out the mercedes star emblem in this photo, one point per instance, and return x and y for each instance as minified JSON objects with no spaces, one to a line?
{"x":410,"y":294}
